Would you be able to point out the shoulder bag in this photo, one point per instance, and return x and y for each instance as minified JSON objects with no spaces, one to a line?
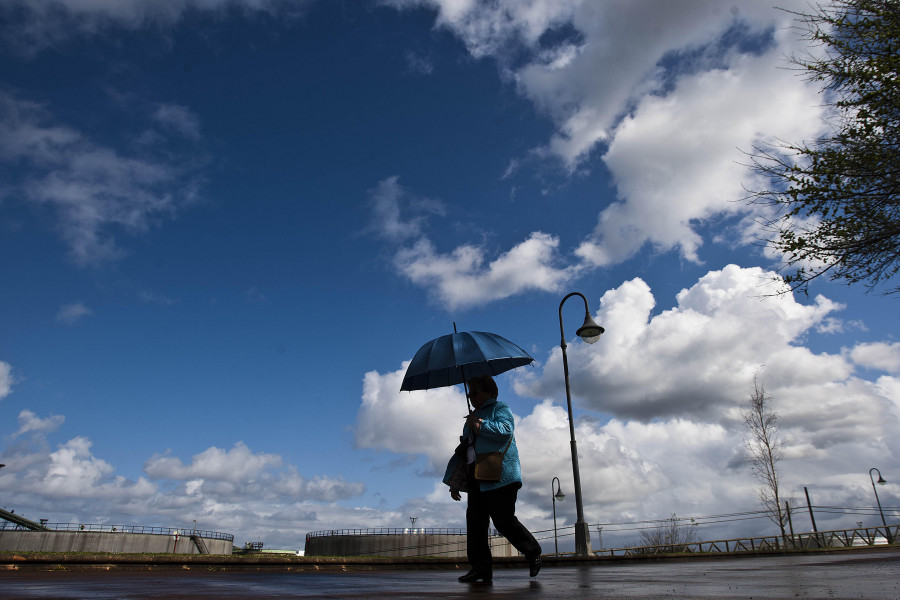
{"x":489,"y":466}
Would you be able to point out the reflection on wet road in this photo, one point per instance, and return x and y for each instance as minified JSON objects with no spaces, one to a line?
{"x":869,"y":575}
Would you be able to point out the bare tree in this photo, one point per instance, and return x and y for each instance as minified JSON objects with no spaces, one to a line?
{"x":765,"y":446}
{"x":671,"y":535}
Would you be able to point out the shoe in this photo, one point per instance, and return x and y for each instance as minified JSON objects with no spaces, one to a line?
{"x":473,"y":576}
{"x":534,"y":565}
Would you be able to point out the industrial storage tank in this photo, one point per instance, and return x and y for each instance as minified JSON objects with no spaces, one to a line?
{"x":24,"y":535}
{"x":398,"y":542}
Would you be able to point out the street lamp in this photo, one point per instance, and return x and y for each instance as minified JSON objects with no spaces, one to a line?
{"x":590,"y":332}
{"x":556,"y":496}
{"x":881,"y":481}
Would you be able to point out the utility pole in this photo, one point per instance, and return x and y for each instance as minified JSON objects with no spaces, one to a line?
{"x":811,"y":517}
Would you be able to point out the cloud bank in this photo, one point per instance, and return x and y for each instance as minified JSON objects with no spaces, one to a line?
{"x":658,"y":426}
{"x":658,"y":404}
{"x":234,"y":490}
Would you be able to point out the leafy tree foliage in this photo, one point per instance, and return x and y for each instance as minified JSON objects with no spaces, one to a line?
{"x":838,"y":198}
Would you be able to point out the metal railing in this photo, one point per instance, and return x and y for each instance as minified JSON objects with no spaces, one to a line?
{"x":199,"y":542}
{"x":102,"y":528}
{"x":861,"y":536}
{"x":390,"y":531}
{"x":841,"y":538}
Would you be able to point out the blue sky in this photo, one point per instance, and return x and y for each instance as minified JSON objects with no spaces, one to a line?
{"x":226,"y":225}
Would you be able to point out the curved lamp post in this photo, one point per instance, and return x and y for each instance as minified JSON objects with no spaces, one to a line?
{"x":556,"y":496}
{"x":881,"y":481}
{"x":590,"y":332}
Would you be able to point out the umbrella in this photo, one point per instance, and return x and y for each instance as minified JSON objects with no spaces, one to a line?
{"x":455,"y":358}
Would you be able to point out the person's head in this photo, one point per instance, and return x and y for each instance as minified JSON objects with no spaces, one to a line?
{"x":481,"y":389}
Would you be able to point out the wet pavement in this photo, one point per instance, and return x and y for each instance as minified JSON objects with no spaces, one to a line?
{"x":845,"y":575}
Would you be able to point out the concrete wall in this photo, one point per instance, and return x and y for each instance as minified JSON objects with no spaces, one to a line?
{"x":92,"y":541}
{"x":399,"y":545}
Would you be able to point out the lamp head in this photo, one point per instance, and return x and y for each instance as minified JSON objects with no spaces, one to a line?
{"x":881,"y":480}
{"x":590,"y":332}
{"x":560,"y":495}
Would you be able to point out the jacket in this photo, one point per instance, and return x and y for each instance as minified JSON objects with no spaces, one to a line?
{"x":496,"y":431}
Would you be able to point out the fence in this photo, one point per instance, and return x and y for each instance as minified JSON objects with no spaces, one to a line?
{"x":441,"y":542}
{"x":841,"y":538}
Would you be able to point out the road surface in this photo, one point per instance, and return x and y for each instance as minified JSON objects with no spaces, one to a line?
{"x":840,"y":576}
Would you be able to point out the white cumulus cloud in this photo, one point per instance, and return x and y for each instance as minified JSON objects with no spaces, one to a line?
{"x":382,"y":421}
{"x":694,"y":359}
{"x":218,"y":464}
{"x":466,"y":277}
{"x":677,"y":160}
{"x":877,"y":355}
{"x":29,"y":422}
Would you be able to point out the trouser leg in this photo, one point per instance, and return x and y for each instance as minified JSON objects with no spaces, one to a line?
{"x":502,"y":508}
{"x":478,"y":549}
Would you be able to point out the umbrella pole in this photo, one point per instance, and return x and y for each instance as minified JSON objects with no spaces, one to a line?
{"x":465,"y":385}
{"x":466,"y":390}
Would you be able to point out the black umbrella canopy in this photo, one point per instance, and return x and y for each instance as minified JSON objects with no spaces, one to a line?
{"x":455,"y":358}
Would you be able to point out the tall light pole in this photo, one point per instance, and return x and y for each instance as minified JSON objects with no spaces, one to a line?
{"x":556,"y":496}
{"x":881,"y":481}
{"x":590,"y":332}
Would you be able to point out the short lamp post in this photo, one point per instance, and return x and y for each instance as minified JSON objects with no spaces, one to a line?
{"x":558,"y":495}
{"x":881,"y":481}
{"x":590,"y":332}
